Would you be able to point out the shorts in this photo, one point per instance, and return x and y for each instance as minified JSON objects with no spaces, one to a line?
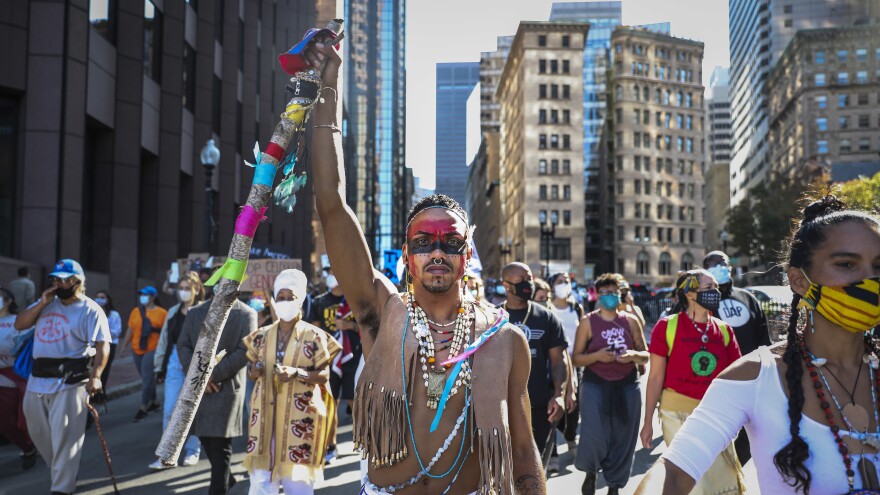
{"x":342,"y":387}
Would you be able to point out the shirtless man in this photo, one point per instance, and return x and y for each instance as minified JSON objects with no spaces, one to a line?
{"x":482,"y":441}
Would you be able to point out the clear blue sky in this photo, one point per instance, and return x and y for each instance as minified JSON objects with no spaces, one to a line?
{"x":458,"y":30}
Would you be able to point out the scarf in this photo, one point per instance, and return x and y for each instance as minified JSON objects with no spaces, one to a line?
{"x":380,"y":426}
{"x":290,"y":422}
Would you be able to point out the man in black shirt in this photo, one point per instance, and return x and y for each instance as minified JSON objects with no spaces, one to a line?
{"x":547,"y":344}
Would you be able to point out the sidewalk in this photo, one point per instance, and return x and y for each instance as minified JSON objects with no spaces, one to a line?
{"x":124,"y":377}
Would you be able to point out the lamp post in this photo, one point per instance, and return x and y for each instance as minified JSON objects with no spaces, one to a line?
{"x":548,"y":233}
{"x":724,"y":238}
{"x":210,"y":157}
{"x":505,"y":247}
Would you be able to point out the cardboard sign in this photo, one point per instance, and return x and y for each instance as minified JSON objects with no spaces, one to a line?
{"x":196,"y":261}
{"x":261,"y":273}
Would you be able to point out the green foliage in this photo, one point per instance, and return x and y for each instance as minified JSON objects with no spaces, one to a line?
{"x":860,"y":194}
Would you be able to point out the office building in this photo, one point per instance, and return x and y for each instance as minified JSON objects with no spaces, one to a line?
{"x":455,"y":82}
{"x":656,"y":155}
{"x":717,"y":196}
{"x":541,"y":97}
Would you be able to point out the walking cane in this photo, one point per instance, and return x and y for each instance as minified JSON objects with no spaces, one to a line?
{"x":103,"y":443}
{"x":548,"y":446}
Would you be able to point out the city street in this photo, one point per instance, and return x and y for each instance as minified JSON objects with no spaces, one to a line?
{"x":132,"y":445}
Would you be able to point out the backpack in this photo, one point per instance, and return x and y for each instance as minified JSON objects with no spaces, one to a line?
{"x":24,"y":361}
{"x":672,"y":327}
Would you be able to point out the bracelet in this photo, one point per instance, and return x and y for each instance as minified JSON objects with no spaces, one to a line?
{"x":321,"y":98}
{"x":332,"y":127}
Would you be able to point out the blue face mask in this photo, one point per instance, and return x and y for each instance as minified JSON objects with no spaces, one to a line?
{"x":721,"y":273}
{"x":500,"y":290}
{"x":257,"y":304}
{"x":101,"y":300}
{"x":609,"y":302}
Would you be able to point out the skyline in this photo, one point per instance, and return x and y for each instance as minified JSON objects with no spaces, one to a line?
{"x":430,"y":41}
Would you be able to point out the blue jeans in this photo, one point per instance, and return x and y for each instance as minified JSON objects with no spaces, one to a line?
{"x":174,"y":378}
{"x":144,"y":364}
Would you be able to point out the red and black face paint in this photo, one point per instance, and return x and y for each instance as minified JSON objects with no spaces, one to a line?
{"x":426,"y":245}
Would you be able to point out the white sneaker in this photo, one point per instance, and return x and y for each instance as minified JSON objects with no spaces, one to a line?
{"x":553,"y":465}
{"x":158,"y":466}
{"x":191,"y":460}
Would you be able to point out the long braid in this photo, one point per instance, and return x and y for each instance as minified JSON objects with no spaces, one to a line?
{"x":791,"y":460}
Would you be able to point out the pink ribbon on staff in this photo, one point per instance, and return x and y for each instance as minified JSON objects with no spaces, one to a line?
{"x":248,"y":220}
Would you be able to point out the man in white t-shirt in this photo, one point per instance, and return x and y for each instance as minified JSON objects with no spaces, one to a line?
{"x":71,"y":344}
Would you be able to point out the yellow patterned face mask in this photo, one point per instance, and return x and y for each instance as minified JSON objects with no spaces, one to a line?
{"x":854,"y":307}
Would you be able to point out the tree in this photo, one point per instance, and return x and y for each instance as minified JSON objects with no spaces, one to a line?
{"x":860,"y":194}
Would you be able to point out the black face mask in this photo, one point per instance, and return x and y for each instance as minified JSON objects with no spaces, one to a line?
{"x":709,"y":299}
{"x":524,"y":289}
{"x":66,"y":293}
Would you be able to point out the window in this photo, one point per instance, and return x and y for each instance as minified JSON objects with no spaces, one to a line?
{"x":215,"y":105}
{"x":680,"y":99}
{"x":637,"y":139}
{"x":618,"y":92}
{"x":681,"y":195}
{"x":864,"y":144}
{"x":566,"y":91}
{"x":638,"y":234}
{"x":843,"y":122}
{"x":566,"y":217}
{"x":822,"y":101}
{"x":542,"y":142}
{"x":668,"y":166}
{"x":637,"y":163}
{"x":642,"y":261}
{"x":542,"y":66}
{"x":669,"y":213}
{"x":566,"y":41}
{"x":842,"y":100}
{"x":690,"y":145}
{"x":620,"y":210}
{"x":554,"y":192}
{"x":669,"y":193}
{"x":864,"y":121}
{"x":679,"y":121}
{"x":554,"y":91}
{"x":542,"y":167}
{"x":659,"y":232}
{"x":659,"y":165}
{"x":152,"y":40}
{"x":820,"y":79}
{"x":842,"y":55}
{"x":621,"y":234}
{"x":647,"y":237}
{"x":542,"y":40}
{"x":679,"y":144}
{"x":542,"y":116}
{"x":657,"y":95}
{"x":666,"y":96}
{"x":843,"y":78}
{"x":681,"y":234}
{"x":566,"y":67}
{"x":845,"y":145}
{"x":566,"y":116}
{"x":648,"y":191}
{"x":822,"y":124}
{"x":861,"y":54}
{"x":687,"y":261}
{"x":554,"y":141}
{"x":638,"y":186}
{"x":786,"y":9}
{"x":542,"y":91}
{"x":103,"y":17}
{"x":690,"y":122}
{"x":788,"y":23}
{"x":646,"y":140}
{"x":667,"y":142}
{"x":692,"y":235}
{"x":822,"y":147}
{"x":862,"y":99}
{"x":819,"y":57}
{"x":665,"y":264}
{"x":645,"y":93}
{"x":668,"y":121}
{"x":189,"y":78}
{"x":566,"y":167}
{"x":566,"y":142}
{"x":554,"y":167}
{"x":554,"y":66}
{"x":689,"y":100}
{"x":542,"y":192}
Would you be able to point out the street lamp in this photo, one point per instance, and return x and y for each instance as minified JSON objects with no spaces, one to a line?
{"x":505,"y":248}
{"x":724,"y":238}
{"x":548,"y":233}
{"x":210,"y":157}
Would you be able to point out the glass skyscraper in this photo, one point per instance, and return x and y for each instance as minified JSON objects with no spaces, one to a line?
{"x":379,"y":184}
{"x":455,"y":82}
{"x":603,"y":18}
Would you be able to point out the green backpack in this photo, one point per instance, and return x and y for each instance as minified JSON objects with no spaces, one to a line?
{"x":672,"y":326}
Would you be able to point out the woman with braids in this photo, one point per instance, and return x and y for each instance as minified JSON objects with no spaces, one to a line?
{"x":809,"y":405}
{"x":688,"y":350}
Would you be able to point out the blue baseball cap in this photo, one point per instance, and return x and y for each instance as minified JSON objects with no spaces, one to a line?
{"x":148,"y":290}
{"x":67,"y":268}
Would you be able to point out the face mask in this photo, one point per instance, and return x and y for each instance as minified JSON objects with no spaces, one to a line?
{"x":500,"y":290}
{"x":257,"y":304}
{"x":67,"y":293}
{"x":524,"y":289}
{"x":185,"y":295}
{"x":854,"y":307}
{"x":721,"y":273}
{"x":102,"y":301}
{"x":287,"y":310}
{"x":609,"y":302}
{"x":709,"y":299}
{"x":562,"y":291}
{"x":144,"y":300}
{"x":332,"y":283}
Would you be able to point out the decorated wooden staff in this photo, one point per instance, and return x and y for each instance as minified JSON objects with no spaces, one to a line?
{"x":306,"y":89}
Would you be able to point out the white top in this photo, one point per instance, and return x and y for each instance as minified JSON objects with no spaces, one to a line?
{"x":115,"y":322}
{"x":9,"y":338}
{"x":570,"y":320}
{"x":762,"y":407}
{"x":67,"y":331}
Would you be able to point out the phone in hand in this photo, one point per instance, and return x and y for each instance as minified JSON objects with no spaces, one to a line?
{"x":174,"y":276}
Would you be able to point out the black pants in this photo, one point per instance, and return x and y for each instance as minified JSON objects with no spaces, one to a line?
{"x":219,"y":451}
{"x":102,"y":397}
{"x":541,"y":427}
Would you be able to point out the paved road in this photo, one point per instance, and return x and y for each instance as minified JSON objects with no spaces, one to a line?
{"x":132,"y":446}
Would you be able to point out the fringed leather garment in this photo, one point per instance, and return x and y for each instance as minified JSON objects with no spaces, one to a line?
{"x":380,"y":423}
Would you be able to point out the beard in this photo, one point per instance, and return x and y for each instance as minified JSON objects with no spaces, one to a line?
{"x":438,"y":286}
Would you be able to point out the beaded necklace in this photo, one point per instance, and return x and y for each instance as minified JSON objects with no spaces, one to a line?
{"x":435,"y":376}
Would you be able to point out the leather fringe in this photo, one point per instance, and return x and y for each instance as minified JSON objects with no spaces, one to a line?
{"x":380,"y":427}
{"x":496,"y":464}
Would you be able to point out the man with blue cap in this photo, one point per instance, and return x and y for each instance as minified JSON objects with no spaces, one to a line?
{"x":71,"y":345}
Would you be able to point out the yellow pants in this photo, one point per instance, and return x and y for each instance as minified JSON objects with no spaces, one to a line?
{"x":725,"y":476}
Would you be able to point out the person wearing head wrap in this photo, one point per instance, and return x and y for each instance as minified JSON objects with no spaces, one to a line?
{"x":291,"y":405}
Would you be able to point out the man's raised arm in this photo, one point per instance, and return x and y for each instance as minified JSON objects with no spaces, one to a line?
{"x":346,"y":246}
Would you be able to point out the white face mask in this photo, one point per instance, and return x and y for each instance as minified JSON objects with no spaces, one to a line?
{"x":185,"y":295}
{"x":331,"y":282}
{"x":562,"y":291}
{"x":287,"y":310}
{"x":145,"y":300}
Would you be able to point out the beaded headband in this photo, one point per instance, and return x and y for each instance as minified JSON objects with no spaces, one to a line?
{"x":470,"y":230}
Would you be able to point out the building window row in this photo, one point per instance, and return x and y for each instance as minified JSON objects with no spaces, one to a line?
{"x":552,"y":116}
{"x":566,"y":215}
{"x":564,"y":40}
{"x":846,"y":145}
{"x":661,"y":96}
{"x":552,"y":66}
{"x":661,"y":119}
{"x":554,"y":192}
{"x":554,"y":141}
{"x":554,"y":167}
{"x":551,"y":91}
{"x":843,"y":55}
